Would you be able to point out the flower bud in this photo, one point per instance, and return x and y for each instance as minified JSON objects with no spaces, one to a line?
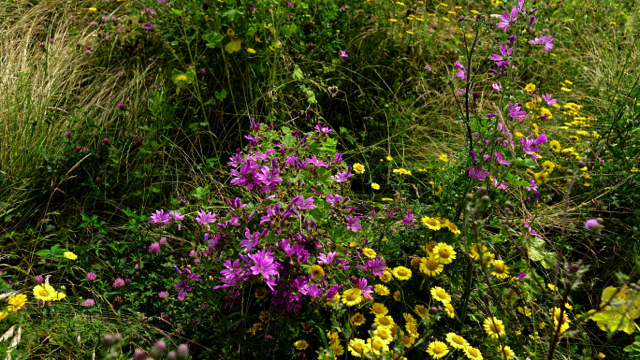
{"x":108,"y":340}
{"x":158,"y":349}
{"x":508,"y":205}
{"x":481,"y":191}
{"x":139,"y":354}
{"x":468,"y":198}
{"x":374,"y":326}
{"x":485,"y":199}
{"x":171,"y":355}
{"x":433,"y":310}
{"x":118,"y":338}
{"x":183,"y":352}
{"x":582,"y":162}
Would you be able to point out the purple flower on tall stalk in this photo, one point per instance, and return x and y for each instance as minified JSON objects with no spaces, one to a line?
{"x":148,"y":26}
{"x":496,"y":183}
{"x":477,"y":173}
{"x":251,"y":241}
{"x":352,"y":223}
{"x":361,"y":283}
{"x":341,"y":176}
{"x":530,"y":146}
{"x":269,"y":178}
{"x":264,"y":264}
{"x":323,"y":129}
{"x":516,"y":112}
{"x":302,"y":203}
{"x":375,"y":266}
{"x":89,"y":302}
{"x":106,"y":141}
{"x":118,"y":283}
{"x":160,"y":217}
{"x":67,"y":134}
{"x":205,"y":218}
{"x":549,"y":100}
{"x":461,"y":70}
{"x":163,"y":241}
{"x":545,"y":41}
{"x":154,"y":248}
{"x":531,"y":232}
{"x":521,"y":276}
{"x":327,"y":259}
{"x":498,"y":157}
{"x":508,"y":18}
{"x":39,"y":278}
{"x":163,"y":294}
{"x":334,"y":199}
{"x":343,"y":54}
{"x":91,"y":276}
{"x":496,"y":86}
{"x":409,"y":219}
{"x":532,"y":185}
{"x":121,"y":106}
{"x":314,"y":291}
{"x":316,"y":162}
{"x":505,"y":51}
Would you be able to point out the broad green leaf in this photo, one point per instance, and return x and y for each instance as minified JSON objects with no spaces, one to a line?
{"x":213,"y":39}
{"x":233,"y":45}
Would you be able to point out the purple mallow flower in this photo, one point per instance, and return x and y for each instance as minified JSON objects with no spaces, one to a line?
{"x":163,"y":294}
{"x":545,"y":41}
{"x":89,"y":302}
{"x":160,"y":217}
{"x":521,"y":276}
{"x":91,"y":276}
{"x":507,"y":18}
{"x":530,"y":146}
{"x":477,"y":173}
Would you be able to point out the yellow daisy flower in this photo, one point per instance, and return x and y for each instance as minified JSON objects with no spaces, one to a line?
{"x":377,"y":345}
{"x":437,"y":349}
{"x":529,"y":88}
{"x":500,"y":270}
{"x":440,"y":294}
{"x":358,"y":319}
{"x":358,"y":168}
{"x":494,"y":327}
{"x":352,"y":297}
{"x":421,"y":310}
{"x":473,"y":353}
{"x":457,"y":341}
{"x":384,"y":321}
{"x":448,"y":308}
{"x":381,"y":289}
{"x":430,"y":266}
{"x":379,"y":309}
{"x":384,"y":334}
{"x":316,"y":271}
{"x":370,"y":253}
{"x":358,"y":347}
{"x":301,"y":345}
{"x":402,"y":273}
{"x":444,"y":253}
{"x":45,"y":292}
{"x":506,"y":352}
{"x":431,"y":223}
{"x":16,"y":302}
{"x":386,"y":276}
{"x":397,"y":296}
{"x":375,"y":186}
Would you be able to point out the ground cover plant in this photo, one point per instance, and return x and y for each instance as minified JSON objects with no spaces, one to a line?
{"x":296,"y":180}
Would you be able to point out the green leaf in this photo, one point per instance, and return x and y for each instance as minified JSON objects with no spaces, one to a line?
{"x":230,"y":15}
{"x":176,"y":12}
{"x":297,"y":73}
{"x":211,"y":101}
{"x":213,"y":39}
{"x":200,"y":193}
{"x":221,"y":95}
{"x":44,"y":253}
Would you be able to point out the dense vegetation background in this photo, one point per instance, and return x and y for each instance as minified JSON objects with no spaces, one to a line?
{"x":111,"y":110}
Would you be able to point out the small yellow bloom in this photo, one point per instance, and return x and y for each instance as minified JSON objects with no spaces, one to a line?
{"x":552,"y":287}
{"x":375,"y":186}
{"x":358,"y":168}
{"x":370,"y":253}
{"x":182,"y":78}
{"x":393,"y":20}
{"x":402,"y":171}
{"x":445,"y":19}
{"x":389,"y":158}
{"x":301,"y":345}
{"x":444,"y":157}
{"x":565,"y":89}
{"x":92,"y":9}
{"x":386,"y":199}
{"x":69,"y":255}
{"x":409,"y":32}
{"x":251,"y":51}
